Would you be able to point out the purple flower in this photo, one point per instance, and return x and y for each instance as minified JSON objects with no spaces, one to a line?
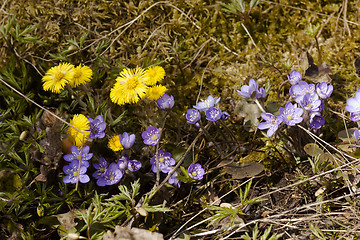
{"x":353,"y":104}
{"x":213,"y":114}
{"x":294,"y":77}
{"x":174,"y":180}
{"x":206,"y":104}
{"x":316,"y":120}
{"x":74,"y":173}
{"x":127,"y":140}
{"x":272,"y":123}
{"x":357,"y":134}
{"x":76,"y":155}
{"x":196,"y":171}
{"x":298,"y":91}
{"x":323,"y":90}
{"x":100,"y":171}
{"x":311,"y":102}
{"x":166,"y":101}
{"x":192,"y":116}
{"x":165,"y":161}
{"x":134,"y":165}
{"x":112,"y":175}
{"x":225,"y":116}
{"x":151,"y":136}
{"x":252,"y":90}
{"x":123,"y":162}
{"x":355,"y":117}
{"x":97,"y":127}
{"x":291,"y":115}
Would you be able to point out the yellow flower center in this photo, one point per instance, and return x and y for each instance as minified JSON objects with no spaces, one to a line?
{"x":102,"y":170}
{"x":194,"y":173}
{"x":59,"y":76}
{"x":75,"y":174}
{"x":289,"y":117}
{"x":161,"y":159}
{"x":77,"y":74}
{"x":132,"y":83}
{"x":154,"y":137}
{"x":309,"y":105}
{"x":111,"y":177}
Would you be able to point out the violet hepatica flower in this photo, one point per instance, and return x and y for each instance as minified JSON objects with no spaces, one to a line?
{"x":99,"y":174}
{"x":196,"y":171}
{"x":272,"y":123}
{"x":133,"y":165}
{"x":80,"y":155}
{"x":97,"y":127}
{"x":206,"y":104}
{"x":166,"y":101}
{"x":192,"y":116}
{"x":357,"y":134}
{"x":252,"y":90}
{"x":174,"y":180}
{"x":311,"y":102}
{"x":151,"y":136}
{"x":299,"y":90}
{"x":165,"y":162}
{"x":316,"y":120}
{"x":123,"y":162}
{"x":355,"y":117}
{"x":213,"y":114}
{"x":112,"y":175}
{"x":74,"y":173}
{"x":295,"y":77}
{"x":323,"y":90}
{"x":127,"y":140}
{"x":353,"y":104}
{"x":291,"y":114}
{"x":225,"y":116}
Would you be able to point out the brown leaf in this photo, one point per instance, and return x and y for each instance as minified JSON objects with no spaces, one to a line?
{"x":122,"y":233}
{"x":245,"y":170}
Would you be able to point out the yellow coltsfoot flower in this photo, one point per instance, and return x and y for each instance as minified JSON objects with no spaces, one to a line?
{"x":115,"y":144}
{"x":57,"y":77}
{"x":80,"y":122}
{"x":155,"y":92}
{"x":155,"y":74}
{"x":82,"y":75}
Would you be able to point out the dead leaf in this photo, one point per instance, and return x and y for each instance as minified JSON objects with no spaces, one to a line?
{"x":244,"y":170}
{"x":67,"y":219}
{"x":313,"y":150}
{"x":122,"y":233}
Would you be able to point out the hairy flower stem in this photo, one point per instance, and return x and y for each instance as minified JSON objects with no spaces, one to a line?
{"x":259,"y":105}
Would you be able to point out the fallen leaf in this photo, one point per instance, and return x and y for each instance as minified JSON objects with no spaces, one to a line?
{"x":244,"y":170}
{"x":122,"y":233}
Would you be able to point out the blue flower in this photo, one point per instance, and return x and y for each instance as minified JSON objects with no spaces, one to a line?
{"x":357,"y":134}
{"x":213,"y":114}
{"x":353,"y":104}
{"x":323,"y":90}
{"x":99,"y":174}
{"x":166,"y":101}
{"x":295,"y":77}
{"x":74,"y":173}
{"x":174,"y":180}
{"x":299,"y":90}
{"x":133,"y":165}
{"x":123,"y":161}
{"x":76,"y":155}
{"x":311,"y":102}
{"x":272,"y":123}
{"x":127,"y":140}
{"x":165,"y":162}
{"x":112,"y":175}
{"x":192,"y":116}
{"x":206,"y":104}
{"x":225,"y":116}
{"x":196,"y":171}
{"x":291,"y":115}
{"x":316,"y":120}
{"x":252,"y":90}
{"x":97,"y":127}
{"x":151,"y":136}
{"x":355,"y":117}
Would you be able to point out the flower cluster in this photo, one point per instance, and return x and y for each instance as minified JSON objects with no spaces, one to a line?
{"x":112,"y":174}
{"x":57,"y":77}
{"x":353,"y":107}
{"x":309,"y":97}
{"x":212,"y":113}
{"x":83,"y":128}
{"x":135,"y":84}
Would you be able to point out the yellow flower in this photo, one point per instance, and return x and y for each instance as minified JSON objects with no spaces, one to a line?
{"x":155,"y":74}
{"x":82,"y":75}
{"x":81,"y":123}
{"x":155,"y":92}
{"x":57,"y":77}
{"x":114,"y":143}
{"x":129,"y":87}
